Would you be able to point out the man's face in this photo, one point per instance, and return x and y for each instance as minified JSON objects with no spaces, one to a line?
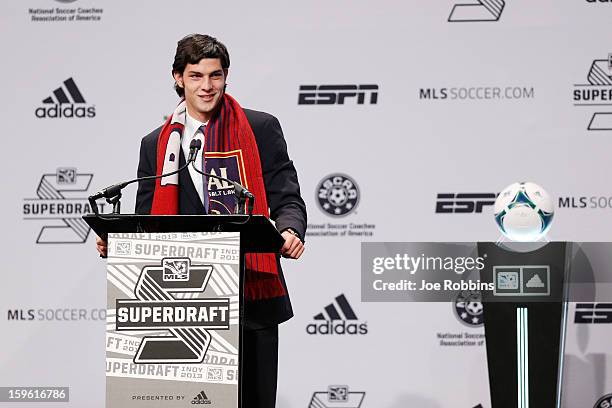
{"x":204,"y":84}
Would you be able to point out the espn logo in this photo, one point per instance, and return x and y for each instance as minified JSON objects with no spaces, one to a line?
{"x":337,"y":94}
{"x":465,"y":203}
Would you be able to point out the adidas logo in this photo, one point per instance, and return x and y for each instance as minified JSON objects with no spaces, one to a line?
{"x":201,"y":398}
{"x":337,"y":318}
{"x":66,"y":102}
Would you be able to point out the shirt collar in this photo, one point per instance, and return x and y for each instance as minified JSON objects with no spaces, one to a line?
{"x":191,"y":124}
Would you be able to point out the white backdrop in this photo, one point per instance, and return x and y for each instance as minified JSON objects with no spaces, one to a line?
{"x":401,"y":152}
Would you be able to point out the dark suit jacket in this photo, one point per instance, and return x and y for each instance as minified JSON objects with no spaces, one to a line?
{"x":287,"y":208}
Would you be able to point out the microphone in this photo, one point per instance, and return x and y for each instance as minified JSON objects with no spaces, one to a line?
{"x":113,"y":193}
{"x":194,"y":148}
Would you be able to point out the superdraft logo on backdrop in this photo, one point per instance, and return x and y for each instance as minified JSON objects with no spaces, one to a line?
{"x":67,"y":13}
{"x":597,"y":94}
{"x":61,"y":201}
{"x":337,"y":318}
{"x":66,"y":102}
{"x":338,"y":94}
{"x":337,"y":196}
{"x":477,"y":11}
{"x":337,"y":396}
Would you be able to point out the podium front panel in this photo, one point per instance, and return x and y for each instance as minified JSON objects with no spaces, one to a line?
{"x":172,"y":329}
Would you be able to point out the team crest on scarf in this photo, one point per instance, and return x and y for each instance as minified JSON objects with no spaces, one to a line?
{"x":228,"y":165}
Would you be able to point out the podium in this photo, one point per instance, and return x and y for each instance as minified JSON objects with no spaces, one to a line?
{"x":258,"y":234}
{"x":525,"y":319}
{"x":175,"y":305}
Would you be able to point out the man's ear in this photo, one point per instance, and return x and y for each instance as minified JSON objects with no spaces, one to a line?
{"x":178,"y":78}
{"x":225,"y":73}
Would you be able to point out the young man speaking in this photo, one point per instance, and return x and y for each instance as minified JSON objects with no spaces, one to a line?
{"x":254,"y":142}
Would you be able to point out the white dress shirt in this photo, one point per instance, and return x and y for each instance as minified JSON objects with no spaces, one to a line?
{"x":192,"y":131}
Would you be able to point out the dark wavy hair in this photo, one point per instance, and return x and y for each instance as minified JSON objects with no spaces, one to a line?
{"x":192,"y":48}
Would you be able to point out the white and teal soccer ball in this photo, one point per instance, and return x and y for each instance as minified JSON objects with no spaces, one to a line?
{"x":523,"y":212}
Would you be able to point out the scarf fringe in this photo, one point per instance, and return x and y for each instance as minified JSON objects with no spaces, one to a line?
{"x":258,"y":286}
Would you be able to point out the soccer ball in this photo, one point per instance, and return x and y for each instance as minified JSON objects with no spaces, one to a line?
{"x":523,"y":212}
{"x":474,"y":308}
{"x":338,"y":196}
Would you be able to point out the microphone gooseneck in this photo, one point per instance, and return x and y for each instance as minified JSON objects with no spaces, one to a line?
{"x":112,"y":193}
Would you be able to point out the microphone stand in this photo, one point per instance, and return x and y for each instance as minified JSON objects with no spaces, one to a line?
{"x":112,"y":193}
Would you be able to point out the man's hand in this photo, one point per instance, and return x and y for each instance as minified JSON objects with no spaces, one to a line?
{"x":102,"y":247}
{"x":293,"y":247}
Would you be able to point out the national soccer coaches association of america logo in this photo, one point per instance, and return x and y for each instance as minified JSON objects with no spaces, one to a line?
{"x":338,"y":195}
{"x":469,"y":309}
{"x":603,"y":402}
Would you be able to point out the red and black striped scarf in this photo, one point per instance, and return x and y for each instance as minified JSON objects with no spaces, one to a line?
{"x":228,"y":133}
